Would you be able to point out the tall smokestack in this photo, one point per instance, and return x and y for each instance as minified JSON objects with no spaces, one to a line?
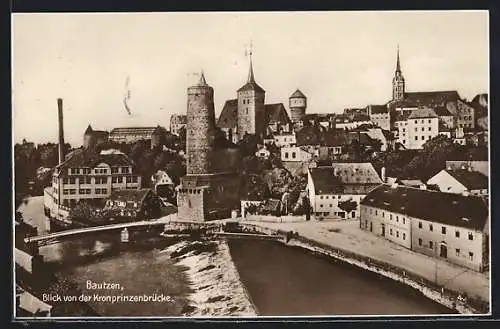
{"x":61,"y":129}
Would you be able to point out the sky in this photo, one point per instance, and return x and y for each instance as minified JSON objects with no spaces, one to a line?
{"x":337,"y":59}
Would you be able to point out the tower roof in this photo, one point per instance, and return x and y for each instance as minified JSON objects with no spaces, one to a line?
{"x":297,"y":94}
{"x":251,"y":84}
{"x":88,"y":130}
{"x":202,"y":81}
{"x":398,"y":65}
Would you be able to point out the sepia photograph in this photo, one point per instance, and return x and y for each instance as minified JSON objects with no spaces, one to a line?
{"x":250,"y":164}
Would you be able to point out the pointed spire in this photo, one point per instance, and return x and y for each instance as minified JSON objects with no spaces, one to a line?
{"x":202,"y":81}
{"x":398,"y":66}
{"x":251,"y":78}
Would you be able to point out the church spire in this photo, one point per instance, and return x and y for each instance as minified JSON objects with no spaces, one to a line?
{"x":251,"y":78}
{"x":398,"y":66}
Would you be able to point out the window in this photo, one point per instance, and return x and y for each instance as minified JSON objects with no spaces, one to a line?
{"x":423,"y":137}
{"x":72,"y":191}
{"x":471,"y":255}
{"x":125,"y":170}
{"x":321,"y":206}
{"x":246,"y":110}
{"x":134,"y":179}
{"x":390,"y":216}
{"x":457,"y":234}
{"x":416,"y":138}
{"x":114,"y":170}
{"x":430,"y":227}
{"x":376,"y":212}
{"x":457,"y":252}
{"x":430,"y":244}
{"x":383,"y":214}
{"x":404,"y":220}
{"x":420,"y":242}
{"x":404,"y":130}
{"x":423,"y":129}
{"x":416,"y":129}
{"x":321,"y":197}
{"x":286,"y":155}
{"x":390,"y":231}
{"x":404,"y":236}
{"x":419,"y":224}
{"x":430,"y":129}
{"x":416,"y":123}
{"x":65,"y":191}
{"x":72,"y":180}
{"x":471,"y":237}
{"x":397,"y":234}
{"x":443,"y":230}
{"x":294,"y":155}
{"x":429,"y":121}
{"x":422,"y":121}
{"x":397,"y":219}
{"x":129,"y":179}
{"x":73,"y":171}
{"x":114,"y":179}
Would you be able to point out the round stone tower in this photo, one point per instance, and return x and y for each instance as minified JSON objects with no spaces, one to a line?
{"x":298,"y":104}
{"x":200,"y":127}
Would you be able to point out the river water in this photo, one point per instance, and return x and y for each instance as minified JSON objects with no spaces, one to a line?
{"x":281,"y":280}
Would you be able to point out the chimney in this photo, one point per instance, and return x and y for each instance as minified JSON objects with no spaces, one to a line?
{"x":382,"y":174}
{"x":61,"y":129}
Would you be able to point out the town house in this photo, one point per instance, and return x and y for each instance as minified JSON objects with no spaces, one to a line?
{"x":332,"y":189}
{"x":444,"y":225}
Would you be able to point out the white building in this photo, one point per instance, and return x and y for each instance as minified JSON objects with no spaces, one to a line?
{"x":460,"y":181}
{"x":263,"y":152}
{"x":444,"y":225}
{"x":380,"y":115}
{"x":295,"y":154}
{"x":423,"y":124}
{"x":331,"y":188}
{"x":285,"y":139}
{"x":89,"y":178}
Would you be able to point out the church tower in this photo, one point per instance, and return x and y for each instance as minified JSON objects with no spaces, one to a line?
{"x":200,"y":127}
{"x":251,"y":112}
{"x":398,"y":82}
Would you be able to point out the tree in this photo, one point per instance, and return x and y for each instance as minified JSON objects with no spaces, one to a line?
{"x":348,"y":205}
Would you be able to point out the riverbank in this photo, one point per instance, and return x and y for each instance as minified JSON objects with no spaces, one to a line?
{"x":341,"y":240}
{"x":216,"y":288}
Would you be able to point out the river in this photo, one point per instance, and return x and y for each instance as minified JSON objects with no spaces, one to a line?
{"x":281,"y":280}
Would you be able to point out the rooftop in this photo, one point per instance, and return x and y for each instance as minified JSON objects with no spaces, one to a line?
{"x":423,"y":112}
{"x":357,"y":178}
{"x":297,"y":94}
{"x":472,"y":180}
{"x":447,"y":208}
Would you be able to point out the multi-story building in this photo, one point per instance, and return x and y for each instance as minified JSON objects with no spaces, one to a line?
{"x":285,"y":139}
{"x":133,"y":134}
{"x":380,"y":115}
{"x":423,"y":124}
{"x":346,"y":122}
{"x":445,"y":225}
{"x":330,"y":188}
{"x":177,"y":122}
{"x":84,"y":177}
{"x":296,"y":154}
{"x":461,"y":181}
